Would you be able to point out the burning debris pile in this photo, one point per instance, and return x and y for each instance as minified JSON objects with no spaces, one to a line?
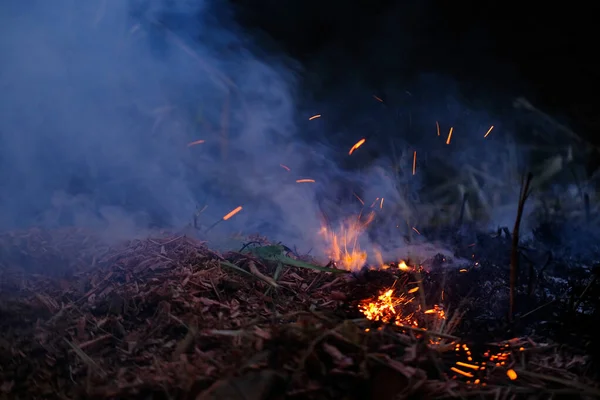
{"x":169,"y":318}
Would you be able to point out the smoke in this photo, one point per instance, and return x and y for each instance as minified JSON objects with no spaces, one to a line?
{"x":100,"y":103}
{"x":100,"y":100}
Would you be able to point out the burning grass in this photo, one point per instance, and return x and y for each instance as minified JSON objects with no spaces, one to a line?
{"x":169,"y":318}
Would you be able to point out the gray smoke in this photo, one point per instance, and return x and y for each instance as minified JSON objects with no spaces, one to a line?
{"x":99,"y":101}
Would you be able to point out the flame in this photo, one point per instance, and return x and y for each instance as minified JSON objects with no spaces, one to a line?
{"x":388,"y":307}
{"x":357,"y":145}
{"x":343,"y":245}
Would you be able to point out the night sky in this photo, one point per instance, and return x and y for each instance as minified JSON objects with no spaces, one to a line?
{"x":543,"y":52}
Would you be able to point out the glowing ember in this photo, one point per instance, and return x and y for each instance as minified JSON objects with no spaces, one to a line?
{"x":387,"y":308}
{"x":356,"y":146}
{"x":401,"y":309}
{"x":414,"y":171}
{"x":314,"y":117}
{"x":285,"y":167}
{"x":359,"y":199}
{"x":305,"y":181}
{"x":437,"y":125}
{"x":194,"y":143}
{"x":449,"y":136}
{"x":232,"y":213}
{"x":488,"y":132}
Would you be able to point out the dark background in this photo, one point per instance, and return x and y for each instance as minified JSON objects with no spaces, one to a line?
{"x":541,"y":51}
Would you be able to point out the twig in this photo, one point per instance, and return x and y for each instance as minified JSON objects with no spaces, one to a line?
{"x":514,"y":255}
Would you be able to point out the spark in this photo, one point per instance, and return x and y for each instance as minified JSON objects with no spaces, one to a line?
{"x":357,"y":145}
{"x":194,"y":143}
{"x":315,"y":117}
{"x":305,"y":181}
{"x":381,"y":204}
{"x":463,"y":373}
{"x":375,"y":201}
{"x":416,"y":230}
{"x":413,"y":290}
{"x":378,"y":99}
{"x":232,"y":213}
{"x":462,"y":270}
{"x":512,"y":375}
{"x":463,"y":364}
{"x":488,"y":132}
{"x":437,"y":125}
{"x":359,"y":199}
{"x":415,"y":162}
{"x":449,"y":136}
{"x":285,"y":167}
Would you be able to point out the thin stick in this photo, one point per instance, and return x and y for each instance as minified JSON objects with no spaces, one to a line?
{"x":514,"y":255}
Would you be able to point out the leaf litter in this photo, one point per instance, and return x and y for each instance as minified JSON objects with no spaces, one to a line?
{"x":169,"y":318}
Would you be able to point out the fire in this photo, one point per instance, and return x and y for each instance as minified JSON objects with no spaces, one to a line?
{"x":343,"y":245}
{"x":391,"y":306}
{"x":414,"y":169}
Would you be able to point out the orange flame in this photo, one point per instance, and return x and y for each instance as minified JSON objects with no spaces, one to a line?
{"x":357,"y":145}
{"x":343,"y":245}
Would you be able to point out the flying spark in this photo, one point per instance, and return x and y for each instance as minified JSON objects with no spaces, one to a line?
{"x":359,"y":199}
{"x":314,"y":117}
{"x":378,"y":99}
{"x":449,"y":136}
{"x":305,"y":181}
{"x":285,"y":167}
{"x":415,"y":162}
{"x":195,"y":143}
{"x":416,"y":230}
{"x":381,"y":204}
{"x":232,"y":213}
{"x":356,"y":146}
{"x":488,"y":132}
{"x":437,"y":125}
